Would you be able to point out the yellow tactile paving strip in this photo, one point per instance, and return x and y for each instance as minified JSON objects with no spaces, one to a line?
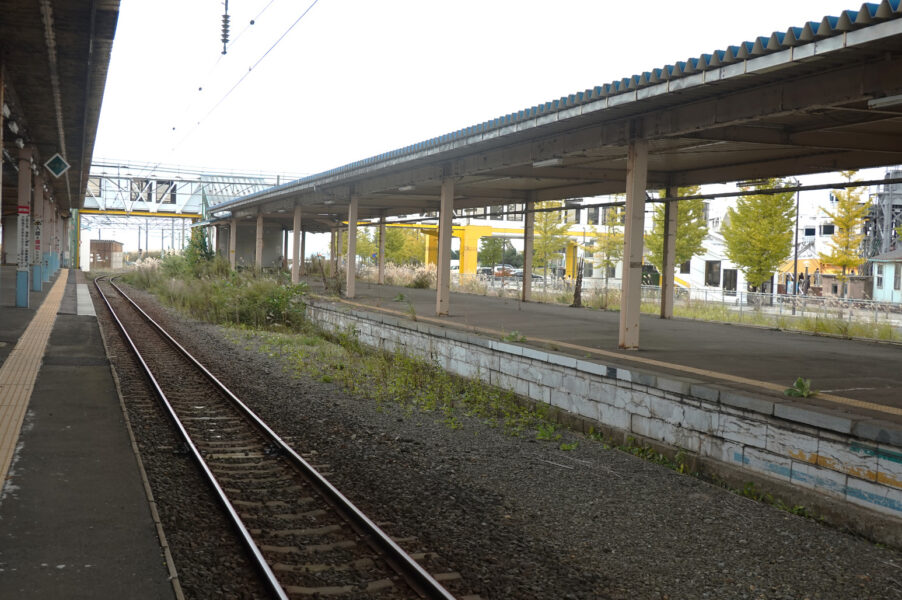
{"x":766,"y":385}
{"x":19,"y":371}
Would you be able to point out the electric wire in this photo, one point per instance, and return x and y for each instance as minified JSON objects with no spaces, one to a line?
{"x":245,"y":75}
{"x":206,"y":78}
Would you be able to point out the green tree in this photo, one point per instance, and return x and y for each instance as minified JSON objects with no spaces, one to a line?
{"x":758,"y":232}
{"x":197,"y":250}
{"x":511,"y":256}
{"x":404,"y":245}
{"x":491,"y":251}
{"x":692,"y":228}
{"x":367,"y":244}
{"x":608,"y":243}
{"x":848,"y":219}
{"x":550,"y":234}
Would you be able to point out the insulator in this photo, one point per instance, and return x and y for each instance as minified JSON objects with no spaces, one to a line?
{"x":225,"y":32}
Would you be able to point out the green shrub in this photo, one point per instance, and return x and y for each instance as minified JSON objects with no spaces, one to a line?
{"x":208,"y":290}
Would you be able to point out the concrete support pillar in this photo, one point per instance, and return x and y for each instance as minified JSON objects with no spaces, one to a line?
{"x":339,"y":248}
{"x":303,"y":265}
{"x":381,"y":276}
{"x":634,"y":226}
{"x":351,"y":287}
{"x":3,"y":239}
{"x":258,"y":251}
{"x":46,"y":237}
{"x":529,"y":230}
{"x":23,"y":241}
{"x":233,"y":243}
{"x":284,"y":248}
{"x":443,"y":268}
{"x":296,"y":255}
{"x":37,"y":229}
{"x":60,"y":237}
{"x":65,"y":250}
{"x":333,"y":252}
{"x":50,"y":227}
{"x":671,"y":209}
{"x":47,"y":244}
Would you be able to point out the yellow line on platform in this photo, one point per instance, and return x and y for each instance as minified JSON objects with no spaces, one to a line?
{"x":20,"y":370}
{"x":771,"y":387}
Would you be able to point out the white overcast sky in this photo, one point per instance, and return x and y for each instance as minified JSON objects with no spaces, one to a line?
{"x":355,"y":78}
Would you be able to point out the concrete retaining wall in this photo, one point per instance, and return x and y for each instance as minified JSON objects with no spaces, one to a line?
{"x":850,"y":463}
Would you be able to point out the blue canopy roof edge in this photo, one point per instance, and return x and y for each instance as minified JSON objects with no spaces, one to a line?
{"x":869,"y":14}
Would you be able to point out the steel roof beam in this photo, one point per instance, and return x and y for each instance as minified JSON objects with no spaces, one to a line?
{"x":876,"y":142}
{"x":822,"y":162}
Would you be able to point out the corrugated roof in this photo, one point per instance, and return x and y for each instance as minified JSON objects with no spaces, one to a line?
{"x":892,"y":256}
{"x":811,"y":31}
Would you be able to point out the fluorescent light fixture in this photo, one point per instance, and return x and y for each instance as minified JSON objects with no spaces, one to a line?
{"x":6,"y":111}
{"x":548,"y":162}
{"x":13,"y":126}
{"x":407,"y":188}
{"x":885,"y":102}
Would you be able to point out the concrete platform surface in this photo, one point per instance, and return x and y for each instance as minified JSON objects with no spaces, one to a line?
{"x":853,"y":377}
{"x":74,"y":517}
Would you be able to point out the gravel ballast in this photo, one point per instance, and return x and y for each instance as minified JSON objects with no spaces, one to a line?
{"x":515,"y":516}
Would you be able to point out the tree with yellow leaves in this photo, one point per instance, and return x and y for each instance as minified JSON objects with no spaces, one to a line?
{"x":550,"y":232}
{"x":848,"y":218}
{"x":757,"y":232}
{"x":608,"y":245}
{"x":692,"y":229}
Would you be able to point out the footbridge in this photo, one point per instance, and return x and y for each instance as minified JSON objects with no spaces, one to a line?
{"x":159,"y":197}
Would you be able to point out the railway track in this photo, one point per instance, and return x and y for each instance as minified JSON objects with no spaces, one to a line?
{"x":306,"y":538}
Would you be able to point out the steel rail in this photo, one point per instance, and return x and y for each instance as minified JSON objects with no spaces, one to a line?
{"x":415,"y":575}
{"x":245,"y":535}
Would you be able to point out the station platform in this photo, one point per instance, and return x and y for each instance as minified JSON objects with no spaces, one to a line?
{"x":715,"y":391}
{"x":855,"y":378}
{"x":75,"y":521}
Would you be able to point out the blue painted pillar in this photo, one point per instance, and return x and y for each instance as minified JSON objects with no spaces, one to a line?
{"x":22,"y":289}
{"x":24,"y":228}
{"x":37,"y":277}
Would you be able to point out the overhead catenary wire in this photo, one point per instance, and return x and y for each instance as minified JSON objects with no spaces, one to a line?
{"x":203,"y":85}
{"x":245,"y":75}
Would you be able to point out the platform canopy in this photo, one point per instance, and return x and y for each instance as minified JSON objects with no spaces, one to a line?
{"x":55,"y":55}
{"x":819,"y":97}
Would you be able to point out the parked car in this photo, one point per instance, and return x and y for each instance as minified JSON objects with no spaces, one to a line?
{"x":503,"y":271}
{"x":484,"y":271}
{"x":518,"y":274}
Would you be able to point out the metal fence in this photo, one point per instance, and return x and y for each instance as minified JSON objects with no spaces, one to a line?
{"x":697,"y":302}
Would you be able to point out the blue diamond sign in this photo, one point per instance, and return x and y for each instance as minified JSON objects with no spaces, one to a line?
{"x":57,"y":165}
